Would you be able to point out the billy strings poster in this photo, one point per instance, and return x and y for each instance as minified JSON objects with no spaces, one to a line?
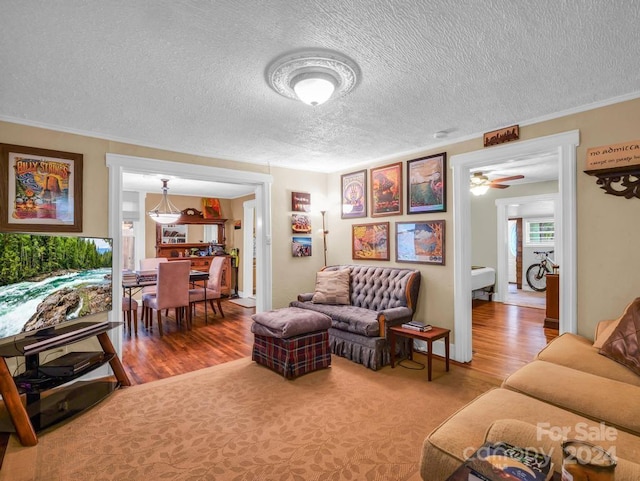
{"x":43,"y":190}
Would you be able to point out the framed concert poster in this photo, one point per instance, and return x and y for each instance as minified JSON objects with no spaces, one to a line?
{"x":427,"y":184}
{"x":370,"y":241}
{"x":41,"y":189}
{"x":354,"y":194}
{"x":420,"y":242}
{"x":386,"y":190}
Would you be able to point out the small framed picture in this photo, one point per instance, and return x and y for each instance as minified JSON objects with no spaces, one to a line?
{"x":370,"y":241}
{"x":300,"y":202}
{"x":300,"y":224}
{"x":354,"y":194}
{"x":427,"y":184}
{"x":420,"y":242}
{"x":386,"y":190}
{"x":301,"y":246}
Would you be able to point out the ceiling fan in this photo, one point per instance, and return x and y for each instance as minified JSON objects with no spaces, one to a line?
{"x":480,"y":183}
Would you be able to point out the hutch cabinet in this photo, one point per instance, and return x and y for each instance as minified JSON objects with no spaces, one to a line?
{"x":171,"y":242}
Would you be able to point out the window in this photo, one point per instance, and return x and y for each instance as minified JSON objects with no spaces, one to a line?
{"x":539,"y":232}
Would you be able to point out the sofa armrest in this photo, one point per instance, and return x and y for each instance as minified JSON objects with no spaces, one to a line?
{"x":393,"y":317}
{"x":306,"y":297}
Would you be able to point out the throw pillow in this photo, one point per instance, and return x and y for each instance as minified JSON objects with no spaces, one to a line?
{"x":332,"y":287}
{"x":623,"y":345}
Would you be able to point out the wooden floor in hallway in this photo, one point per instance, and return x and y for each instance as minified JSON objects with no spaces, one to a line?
{"x":506,"y":337}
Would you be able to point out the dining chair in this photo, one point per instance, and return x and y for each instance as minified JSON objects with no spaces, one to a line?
{"x":213,"y":289}
{"x":172,"y":292}
{"x":129,"y":308}
{"x":150,"y":264}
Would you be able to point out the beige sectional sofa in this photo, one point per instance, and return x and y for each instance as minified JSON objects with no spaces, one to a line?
{"x":569,"y":391}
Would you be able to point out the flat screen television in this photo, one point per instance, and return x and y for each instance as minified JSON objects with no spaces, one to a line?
{"x":49,"y":280}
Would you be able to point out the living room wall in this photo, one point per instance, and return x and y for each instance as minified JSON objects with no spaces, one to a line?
{"x":607,"y":226}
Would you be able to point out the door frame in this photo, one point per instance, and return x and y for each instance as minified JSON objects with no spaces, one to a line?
{"x":565,"y":144}
{"x":249,"y":208}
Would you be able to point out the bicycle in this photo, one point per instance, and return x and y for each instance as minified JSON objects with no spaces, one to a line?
{"x":537,"y":273}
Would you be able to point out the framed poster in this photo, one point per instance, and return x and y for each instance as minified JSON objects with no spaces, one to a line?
{"x":420,"y":242}
{"x":42,"y":190}
{"x":301,"y":246}
{"x":300,"y":224}
{"x":427,"y":184}
{"x":300,"y":202}
{"x":354,"y":194}
{"x":386,"y":190}
{"x":370,"y":241}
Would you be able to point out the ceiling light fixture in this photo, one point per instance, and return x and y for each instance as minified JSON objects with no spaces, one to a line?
{"x":165,"y":212}
{"x":479,"y":189}
{"x":313,"y":77}
{"x":479,"y":184}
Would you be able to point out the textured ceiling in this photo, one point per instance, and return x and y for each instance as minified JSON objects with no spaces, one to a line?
{"x":189,"y":75}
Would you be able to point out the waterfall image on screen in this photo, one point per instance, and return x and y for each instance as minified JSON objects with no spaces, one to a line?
{"x":46,"y":280}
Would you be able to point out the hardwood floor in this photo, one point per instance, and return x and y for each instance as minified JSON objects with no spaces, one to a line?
{"x":505,"y":337}
{"x":149,"y":357}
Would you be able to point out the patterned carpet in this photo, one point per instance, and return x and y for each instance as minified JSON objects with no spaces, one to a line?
{"x":240,"y":421}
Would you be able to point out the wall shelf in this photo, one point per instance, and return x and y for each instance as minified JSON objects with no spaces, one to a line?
{"x":621,"y":181}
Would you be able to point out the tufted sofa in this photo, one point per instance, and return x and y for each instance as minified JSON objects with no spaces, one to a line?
{"x":380,"y":297}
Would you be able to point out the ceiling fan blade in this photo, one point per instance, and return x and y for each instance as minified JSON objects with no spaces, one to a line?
{"x":507,"y":179}
{"x":498,"y":186}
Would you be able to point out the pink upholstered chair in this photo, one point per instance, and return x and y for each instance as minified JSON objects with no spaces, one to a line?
{"x":150,"y":264}
{"x":172,"y":293}
{"x":213,"y":289}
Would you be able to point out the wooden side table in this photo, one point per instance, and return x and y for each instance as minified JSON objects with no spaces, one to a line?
{"x":433,"y":334}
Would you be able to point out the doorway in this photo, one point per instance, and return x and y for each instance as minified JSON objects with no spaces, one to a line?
{"x":119,"y":164}
{"x":565,"y":146}
{"x":516,"y":218}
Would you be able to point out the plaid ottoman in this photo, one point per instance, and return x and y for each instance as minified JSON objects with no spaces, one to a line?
{"x":291,"y":341}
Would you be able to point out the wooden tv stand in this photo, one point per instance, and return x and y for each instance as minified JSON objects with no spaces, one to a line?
{"x":61,"y":404}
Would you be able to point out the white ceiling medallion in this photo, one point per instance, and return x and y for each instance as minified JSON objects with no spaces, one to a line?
{"x":313,"y":76}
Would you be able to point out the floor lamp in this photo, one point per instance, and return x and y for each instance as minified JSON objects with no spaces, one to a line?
{"x":324,"y":236}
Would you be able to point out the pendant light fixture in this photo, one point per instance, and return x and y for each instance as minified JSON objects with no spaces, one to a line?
{"x":313,"y":77}
{"x":165,"y":212}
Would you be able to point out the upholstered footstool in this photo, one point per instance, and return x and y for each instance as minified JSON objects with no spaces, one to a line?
{"x":291,"y":341}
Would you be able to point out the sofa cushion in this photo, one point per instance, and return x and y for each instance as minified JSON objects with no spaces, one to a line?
{"x":622,"y":345}
{"x":347,"y":318}
{"x":605,"y":329}
{"x":332,"y":287}
{"x":581,"y":392}
{"x":578,"y":352}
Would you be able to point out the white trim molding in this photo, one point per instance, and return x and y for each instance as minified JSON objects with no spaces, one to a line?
{"x":565,"y":144}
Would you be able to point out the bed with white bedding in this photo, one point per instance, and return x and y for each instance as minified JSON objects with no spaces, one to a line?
{"x":483,"y":279}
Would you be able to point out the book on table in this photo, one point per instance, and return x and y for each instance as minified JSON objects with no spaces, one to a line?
{"x":416,"y":326}
{"x":505,"y":462}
